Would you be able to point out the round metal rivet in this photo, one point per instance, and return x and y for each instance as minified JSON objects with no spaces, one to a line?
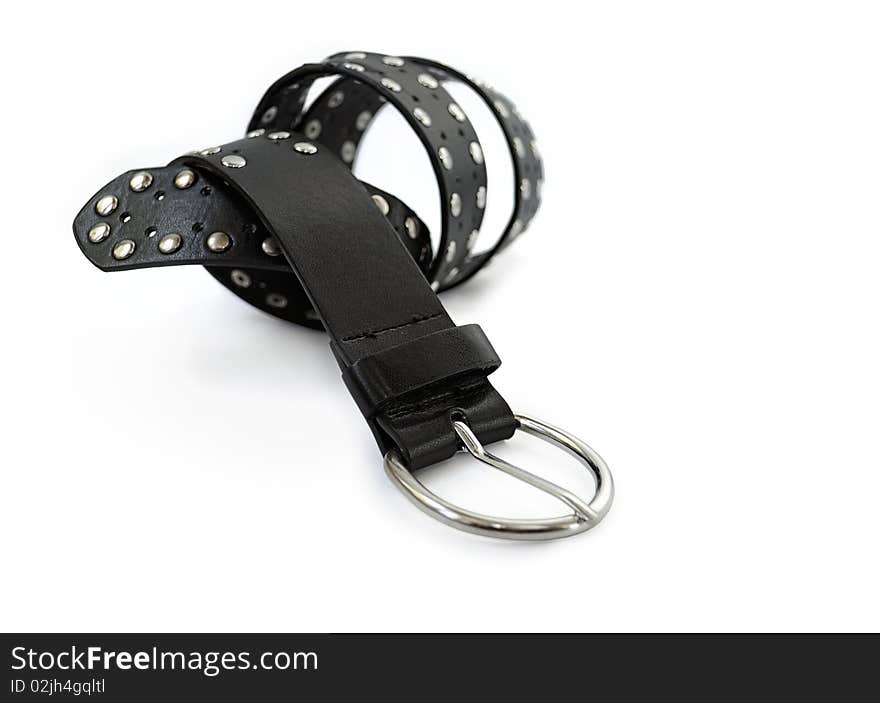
{"x":450,"y":251}
{"x":481,"y":197}
{"x":276,"y":300}
{"x":453,"y":272}
{"x":218,"y":241}
{"x":269,"y":115}
{"x":393,"y":61}
{"x":347,"y":152}
{"x":472,"y":238}
{"x":456,"y":112}
{"x":516,"y":229}
{"x":255,"y":133}
{"x":525,"y":189}
{"x":240,"y":278}
{"x":476,"y":152}
{"x":336,"y":99}
{"x":184,"y":179}
{"x":313,"y":129}
{"x":391,"y":85}
{"x":412,"y":227}
{"x":305,"y":148}
{"x":106,"y":204}
{"x":445,"y":157}
{"x":356,"y":56}
{"x":363,"y":120}
{"x":455,"y":204}
{"x":124,"y":249}
{"x":99,"y":232}
{"x":270,"y":247}
{"x":519,"y":148}
{"x":428,"y":81}
{"x":140,"y":181}
{"x":381,"y":203}
{"x":534,"y":146}
{"x":233,"y":161}
{"x":276,"y":136}
{"x":210,"y":151}
{"x":422,"y":116}
{"x":502,"y":109}
{"x":354,"y":67}
{"x":170,"y":243}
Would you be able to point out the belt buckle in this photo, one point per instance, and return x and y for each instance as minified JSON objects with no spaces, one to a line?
{"x":583,"y":517}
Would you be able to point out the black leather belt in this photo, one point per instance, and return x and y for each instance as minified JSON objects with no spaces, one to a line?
{"x":279,"y":219}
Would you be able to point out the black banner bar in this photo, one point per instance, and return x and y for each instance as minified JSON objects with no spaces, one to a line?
{"x":250,"y":667}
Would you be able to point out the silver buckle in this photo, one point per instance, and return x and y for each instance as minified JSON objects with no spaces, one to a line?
{"x":583,"y":516}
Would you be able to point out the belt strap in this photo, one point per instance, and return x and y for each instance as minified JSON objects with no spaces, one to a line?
{"x":280,"y":220}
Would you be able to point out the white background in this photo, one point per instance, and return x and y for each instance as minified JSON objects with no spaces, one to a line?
{"x":697,"y":299}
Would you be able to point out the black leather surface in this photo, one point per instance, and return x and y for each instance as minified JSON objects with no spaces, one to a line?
{"x":451,"y":356}
{"x":311,"y":244}
{"x":363,"y":284}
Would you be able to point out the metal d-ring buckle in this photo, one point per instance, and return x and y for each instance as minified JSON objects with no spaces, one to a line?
{"x":583,"y":515}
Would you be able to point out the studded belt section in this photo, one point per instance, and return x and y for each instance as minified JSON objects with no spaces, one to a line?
{"x":279,"y":219}
{"x":177,"y":215}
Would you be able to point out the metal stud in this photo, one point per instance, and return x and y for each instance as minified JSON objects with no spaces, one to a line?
{"x":305,"y":148}
{"x":455,"y":204}
{"x":450,"y":251}
{"x":472,"y":238}
{"x":356,"y":56}
{"x":240,"y":278}
{"x":412,"y":227}
{"x":391,"y":85}
{"x":363,"y":120}
{"x":534,"y":146}
{"x":336,"y":99}
{"x":99,"y":232}
{"x":445,"y":157}
{"x":519,"y":148}
{"x":435,"y":286}
{"x":140,"y":181}
{"x":525,"y":188}
{"x":269,"y":115}
{"x":428,"y":81}
{"x":382,"y":204}
{"x":354,"y":67}
{"x":422,"y":116}
{"x":218,"y":242}
{"x":124,"y":249}
{"x":502,"y":109}
{"x":481,"y":197}
{"x":456,"y":112}
{"x":233,"y":161}
{"x":210,"y":151}
{"x":270,"y":247}
{"x":453,"y":272}
{"x":347,"y":151}
{"x":278,"y":136}
{"x":276,"y":300}
{"x":184,"y":179}
{"x":393,"y":61}
{"x":312,"y":129}
{"x":255,"y":133}
{"x":476,"y":152}
{"x":170,"y":243}
{"x":516,"y":229}
{"x":106,"y":204}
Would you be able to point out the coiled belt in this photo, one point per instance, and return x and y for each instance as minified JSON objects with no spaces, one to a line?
{"x":278,"y":218}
